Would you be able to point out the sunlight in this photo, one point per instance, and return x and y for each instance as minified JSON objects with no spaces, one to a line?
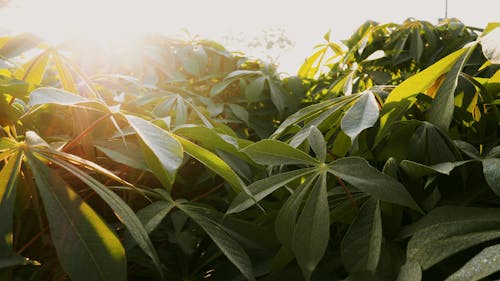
{"x":111,"y":21}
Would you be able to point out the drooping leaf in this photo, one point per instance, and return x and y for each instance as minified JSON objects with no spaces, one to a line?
{"x":231,"y":249}
{"x":480,"y":266}
{"x":163,"y":153}
{"x":312,"y":231}
{"x":362,"y":115}
{"x":366,"y":178}
{"x":362,"y":243}
{"x":272,"y":152}
{"x":86,"y":246}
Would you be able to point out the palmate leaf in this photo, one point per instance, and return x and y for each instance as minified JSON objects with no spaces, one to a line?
{"x":362,"y":243}
{"x":312,"y":231}
{"x":231,"y":249}
{"x":87,"y":248}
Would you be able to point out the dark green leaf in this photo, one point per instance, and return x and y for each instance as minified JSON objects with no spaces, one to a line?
{"x":362,"y":243}
{"x":364,"y":177}
{"x":231,"y":249}
{"x":312,"y":231}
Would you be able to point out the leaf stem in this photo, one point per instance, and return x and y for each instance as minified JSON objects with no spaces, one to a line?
{"x":85,"y":132}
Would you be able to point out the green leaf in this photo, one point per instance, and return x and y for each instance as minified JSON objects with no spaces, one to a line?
{"x":9,"y":175}
{"x":317,"y":143}
{"x":410,"y":271}
{"x":312,"y":232}
{"x":313,"y":111}
{"x":273,"y":152}
{"x":231,"y":249}
{"x":480,"y":266}
{"x":417,"y":170}
{"x":163,"y":153}
{"x":262,"y":188}
{"x":491,"y":170}
{"x":55,"y":96}
{"x":220,"y":87}
{"x":448,"y":230}
{"x":441,"y":110}
{"x":127,"y":154}
{"x":362,"y":243}
{"x":214,"y":163}
{"x":33,"y":71}
{"x":152,"y":215}
{"x":87,"y":248}
{"x":362,"y":115}
{"x":67,"y":81}
{"x":279,"y":96}
{"x":254,"y":89}
{"x":240,"y":112}
{"x":211,"y":139}
{"x":124,"y":213}
{"x":453,"y":214}
{"x":366,"y":178}
{"x":403,"y":96}
{"x":286,"y":219}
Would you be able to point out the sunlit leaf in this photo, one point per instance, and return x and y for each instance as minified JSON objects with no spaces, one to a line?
{"x":163,"y":153}
{"x":86,"y":246}
{"x":362,"y":115}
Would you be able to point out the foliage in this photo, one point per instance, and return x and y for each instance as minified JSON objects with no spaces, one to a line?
{"x":189,"y":162}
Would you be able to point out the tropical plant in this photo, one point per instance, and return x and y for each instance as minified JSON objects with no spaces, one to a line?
{"x":188,"y":162}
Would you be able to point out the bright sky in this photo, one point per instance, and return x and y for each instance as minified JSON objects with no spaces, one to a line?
{"x":305,"y":22}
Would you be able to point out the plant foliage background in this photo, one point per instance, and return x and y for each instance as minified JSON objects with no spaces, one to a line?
{"x":378,"y":161}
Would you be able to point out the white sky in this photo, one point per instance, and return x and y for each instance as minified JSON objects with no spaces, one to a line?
{"x":304,"y":21}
